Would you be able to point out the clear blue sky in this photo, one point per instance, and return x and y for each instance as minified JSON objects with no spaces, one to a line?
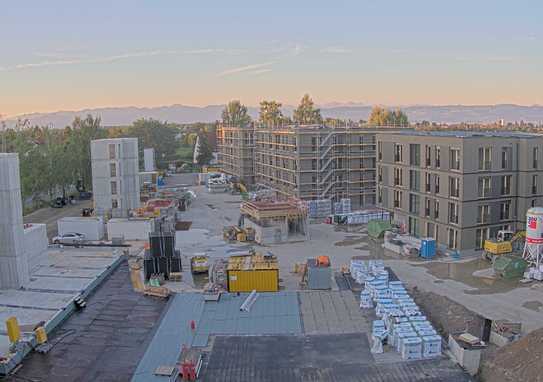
{"x":65,"y":55}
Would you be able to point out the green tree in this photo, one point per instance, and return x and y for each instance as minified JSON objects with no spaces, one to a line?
{"x":235,"y":114}
{"x":205,"y":153}
{"x":381,"y":116}
{"x":270,"y":113}
{"x":152,"y":133}
{"x":306,"y":113}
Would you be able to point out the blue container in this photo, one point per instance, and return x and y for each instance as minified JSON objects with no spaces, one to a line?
{"x":428,"y":248}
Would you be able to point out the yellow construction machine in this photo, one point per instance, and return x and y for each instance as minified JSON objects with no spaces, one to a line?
{"x":506,"y":242}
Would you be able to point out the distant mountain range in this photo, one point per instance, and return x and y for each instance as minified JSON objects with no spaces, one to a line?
{"x":114,"y":116}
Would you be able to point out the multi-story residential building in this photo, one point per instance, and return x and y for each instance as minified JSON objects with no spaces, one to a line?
{"x":235,"y":147}
{"x":459,"y":187}
{"x":115,"y":176}
{"x":317,"y":162}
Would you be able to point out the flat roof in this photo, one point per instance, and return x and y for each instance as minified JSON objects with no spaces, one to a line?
{"x":469,"y":133}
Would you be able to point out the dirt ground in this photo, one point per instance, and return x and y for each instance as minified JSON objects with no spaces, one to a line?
{"x":446,"y":315}
{"x":520,"y":361}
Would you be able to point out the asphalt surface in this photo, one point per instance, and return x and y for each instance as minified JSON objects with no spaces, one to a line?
{"x":103,"y":342}
{"x":334,"y":357}
{"x":49,"y":216}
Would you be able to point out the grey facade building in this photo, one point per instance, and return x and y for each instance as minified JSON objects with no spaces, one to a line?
{"x":115,"y":176}
{"x":459,"y":187}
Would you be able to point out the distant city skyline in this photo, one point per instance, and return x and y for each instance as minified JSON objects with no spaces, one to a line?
{"x":70,"y":56}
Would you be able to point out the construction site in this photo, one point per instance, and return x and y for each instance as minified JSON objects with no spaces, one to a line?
{"x":212,"y":278}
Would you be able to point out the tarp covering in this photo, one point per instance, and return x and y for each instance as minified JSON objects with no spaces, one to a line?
{"x":376,"y":228}
{"x":509,"y":267}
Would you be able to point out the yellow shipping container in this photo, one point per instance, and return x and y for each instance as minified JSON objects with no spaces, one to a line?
{"x":256,"y":272}
{"x":247,"y":281}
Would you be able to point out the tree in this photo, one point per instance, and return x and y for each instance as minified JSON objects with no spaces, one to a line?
{"x":306,"y":113}
{"x":270,"y":113}
{"x":235,"y":114}
{"x":382,"y":117}
{"x":205,"y":153}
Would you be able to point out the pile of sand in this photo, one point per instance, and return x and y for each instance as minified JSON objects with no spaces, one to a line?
{"x":520,"y":361}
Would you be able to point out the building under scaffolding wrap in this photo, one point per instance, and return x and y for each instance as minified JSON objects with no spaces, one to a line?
{"x":275,"y":222}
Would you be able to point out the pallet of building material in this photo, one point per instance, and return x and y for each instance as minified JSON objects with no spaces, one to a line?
{"x":156,"y":291}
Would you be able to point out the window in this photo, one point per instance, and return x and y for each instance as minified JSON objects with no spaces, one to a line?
{"x":436,"y":209}
{"x":112,"y":170}
{"x":454,"y":187}
{"x":535,"y":155}
{"x":114,"y":203}
{"x":413,"y":226}
{"x":436,"y":181}
{"x":534,"y":202}
{"x":455,"y":159}
{"x":397,"y":199}
{"x":414,"y":180}
{"x":505,"y":211}
{"x":483,"y":186}
{"x":398,"y":153}
{"x":414,"y":154}
{"x":380,"y":195}
{"x":481,"y":235}
{"x":379,"y":150}
{"x":313,"y":178}
{"x":506,"y":158}
{"x":453,"y":238}
{"x":380,"y":174}
{"x":313,"y":164}
{"x":534,"y":184}
{"x":111,"y":148}
{"x":506,"y":184}
{"x":485,"y":158}
{"x":438,"y":156}
{"x":483,"y":214}
{"x":113,"y":188}
{"x":427,"y":204}
{"x":453,"y":213}
{"x":398,"y":175}
{"x":428,"y":182}
{"x":428,"y":156}
{"x":414,"y":207}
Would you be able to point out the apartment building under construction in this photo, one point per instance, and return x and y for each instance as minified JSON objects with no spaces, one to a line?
{"x":308,"y":162}
{"x":235,"y":147}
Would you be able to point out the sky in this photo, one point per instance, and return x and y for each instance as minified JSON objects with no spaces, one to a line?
{"x":69,"y":55}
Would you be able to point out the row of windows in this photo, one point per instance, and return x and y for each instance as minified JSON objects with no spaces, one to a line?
{"x":484,"y":183}
{"x":484,"y":156}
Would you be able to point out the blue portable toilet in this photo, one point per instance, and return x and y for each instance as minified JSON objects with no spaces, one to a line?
{"x":428,"y":248}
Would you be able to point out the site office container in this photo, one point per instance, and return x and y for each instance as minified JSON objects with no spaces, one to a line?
{"x":248,"y":273}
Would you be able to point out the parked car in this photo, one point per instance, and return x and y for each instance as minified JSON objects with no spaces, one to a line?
{"x":58,"y":202}
{"x":85,"y":195}
{"x":69,"y":238}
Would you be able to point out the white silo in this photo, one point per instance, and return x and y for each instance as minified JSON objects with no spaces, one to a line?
{"x":533,"y":249}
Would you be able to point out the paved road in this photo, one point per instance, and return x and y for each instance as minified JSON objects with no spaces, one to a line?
{"x":49,"y":216}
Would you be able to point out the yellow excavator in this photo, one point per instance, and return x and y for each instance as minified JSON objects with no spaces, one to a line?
{"x":506,"y":242}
